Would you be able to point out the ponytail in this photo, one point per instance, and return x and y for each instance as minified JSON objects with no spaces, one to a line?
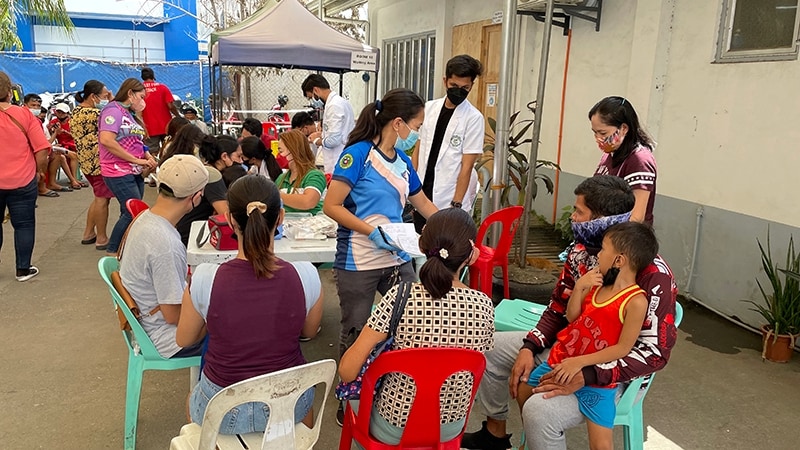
{"x":257,"y":240}
{"x":367,"y":126}
{"x":436,"y":277}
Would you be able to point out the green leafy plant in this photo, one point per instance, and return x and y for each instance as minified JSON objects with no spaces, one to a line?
{"x":780,"y":308}
{"x":518,"y":164}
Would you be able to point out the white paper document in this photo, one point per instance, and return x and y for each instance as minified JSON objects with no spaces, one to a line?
{"x":404,"y":236}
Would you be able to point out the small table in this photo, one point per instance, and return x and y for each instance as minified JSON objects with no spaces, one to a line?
{"x":290,"y":250}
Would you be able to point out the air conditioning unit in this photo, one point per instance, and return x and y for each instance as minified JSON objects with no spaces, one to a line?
{"x":541,"y":5}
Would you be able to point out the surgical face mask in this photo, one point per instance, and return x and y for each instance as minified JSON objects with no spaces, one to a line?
{"x":317,"y":102}
{"x":408,"y":143}
{"x":457,"y":95}
{"x":139,"y":106}
{"x":102,"y":104}
{"x":35,"y":111}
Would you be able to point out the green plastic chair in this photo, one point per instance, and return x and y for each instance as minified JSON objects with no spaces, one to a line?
{"x":522,"y":315}
{"x":142,"y":354}
{"x":517,"y":315}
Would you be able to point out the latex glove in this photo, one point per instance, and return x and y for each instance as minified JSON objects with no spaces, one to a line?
{"x":384,"y":243}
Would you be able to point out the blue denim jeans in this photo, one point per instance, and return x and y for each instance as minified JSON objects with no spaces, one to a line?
{"x":21,"y":204}
{"x":246,"y":418}
{"x":124,"y":188}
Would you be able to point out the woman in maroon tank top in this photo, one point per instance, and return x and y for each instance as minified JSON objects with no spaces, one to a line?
{"x":254,"y":307}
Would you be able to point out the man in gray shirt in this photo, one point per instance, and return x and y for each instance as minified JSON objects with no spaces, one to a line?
{"x":153,"y":260}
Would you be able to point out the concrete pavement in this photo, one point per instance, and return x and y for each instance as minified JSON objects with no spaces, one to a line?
{"x":63,"y":364}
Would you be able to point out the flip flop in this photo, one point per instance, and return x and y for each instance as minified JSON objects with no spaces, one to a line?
{"x":101,"y":247}
{"x":63,"y":189}
{"x":50,"y":193}
{"x":77,"y":188}
{"x":84,"y":184}
{"x":89,"y":241}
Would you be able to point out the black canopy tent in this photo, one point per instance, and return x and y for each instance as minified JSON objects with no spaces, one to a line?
{"x":287,"y":35}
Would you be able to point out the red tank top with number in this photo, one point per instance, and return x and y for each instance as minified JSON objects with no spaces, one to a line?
{"x":598,"y":326}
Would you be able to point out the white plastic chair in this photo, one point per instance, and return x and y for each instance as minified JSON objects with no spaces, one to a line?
{"x":280,"y":391}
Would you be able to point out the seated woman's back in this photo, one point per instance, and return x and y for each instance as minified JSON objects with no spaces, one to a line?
{"x":462,"y":318}
{"x":253,"y":323}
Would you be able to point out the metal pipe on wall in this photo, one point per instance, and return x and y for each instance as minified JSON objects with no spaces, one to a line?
{"x":500,"y":170}
{"x":537,"y":128}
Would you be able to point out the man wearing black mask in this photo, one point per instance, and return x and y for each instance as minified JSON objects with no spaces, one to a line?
{"x":450,"y":141}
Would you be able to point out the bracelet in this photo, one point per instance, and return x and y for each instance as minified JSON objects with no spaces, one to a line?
{"x":455,"y":204}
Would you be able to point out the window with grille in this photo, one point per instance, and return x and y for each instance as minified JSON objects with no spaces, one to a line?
{"x":408,"y":62}
{"x":758,"y":30}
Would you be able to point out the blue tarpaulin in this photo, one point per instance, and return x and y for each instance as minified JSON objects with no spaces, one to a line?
{"x":52,"y":73}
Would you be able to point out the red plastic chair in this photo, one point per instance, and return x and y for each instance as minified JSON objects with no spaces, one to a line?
{"x":270,"y":129}
{"x":480,"y":273}
{"x":429,"y":367}
{"x":136,"y":206}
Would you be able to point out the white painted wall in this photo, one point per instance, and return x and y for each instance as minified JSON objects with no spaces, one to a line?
{"x":152,"y":8}
{"x":727,"y":133}
{"x":114,"y":45}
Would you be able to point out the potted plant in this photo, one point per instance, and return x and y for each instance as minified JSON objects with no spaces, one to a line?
{"x":780,"y":308}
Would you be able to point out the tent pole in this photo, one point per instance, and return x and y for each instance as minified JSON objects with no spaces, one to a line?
{"x":341,"y":83}
{"x":321,"y":11}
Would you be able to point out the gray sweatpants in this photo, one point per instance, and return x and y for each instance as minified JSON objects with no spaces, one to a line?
{"x":544,"y":420}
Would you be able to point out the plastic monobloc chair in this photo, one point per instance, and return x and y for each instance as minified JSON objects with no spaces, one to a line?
{"x":280,"y":391}
{"x":480,"y":273}
{"x":136,"y":206}
{"x":629,"y":406}
{"x":142,"y":354}
{"x":517,"y":315}
{"x":429,"y":367}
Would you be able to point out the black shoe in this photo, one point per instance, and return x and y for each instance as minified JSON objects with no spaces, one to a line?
{"x":340,"y":415}
{"x":484,"y":440}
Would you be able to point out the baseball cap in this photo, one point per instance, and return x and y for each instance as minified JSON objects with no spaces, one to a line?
{"x":188,"y":109}
{"x":183,"y":174}
{"x":63,"y":107}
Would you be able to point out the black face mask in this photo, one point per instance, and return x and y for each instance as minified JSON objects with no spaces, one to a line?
{"x":457,"y":95}
{"x":610,"y":276}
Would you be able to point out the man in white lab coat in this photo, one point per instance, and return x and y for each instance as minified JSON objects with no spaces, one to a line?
{"x":450,"y":141}
{"x":337,"y":119}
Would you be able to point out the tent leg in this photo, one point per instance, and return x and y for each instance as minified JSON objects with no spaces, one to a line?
{"x":341,"y":83}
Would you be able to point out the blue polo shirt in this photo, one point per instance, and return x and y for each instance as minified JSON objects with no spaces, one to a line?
{"x":379,"y":187}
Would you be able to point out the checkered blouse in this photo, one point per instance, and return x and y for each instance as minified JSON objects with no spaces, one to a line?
{"x":464,"y":318}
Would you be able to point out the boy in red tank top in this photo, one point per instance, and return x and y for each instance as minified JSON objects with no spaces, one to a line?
{"x":606,"y":311}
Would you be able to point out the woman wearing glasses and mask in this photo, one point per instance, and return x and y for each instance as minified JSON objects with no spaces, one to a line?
{"x":627,"y":152}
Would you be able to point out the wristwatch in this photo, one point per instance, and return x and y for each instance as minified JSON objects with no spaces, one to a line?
{"x":455,"y":204}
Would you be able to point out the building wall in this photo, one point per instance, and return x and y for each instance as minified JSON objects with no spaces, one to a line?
{"x":726,"y":133}
{"x":118,"y":32}
{"x":112,"y":45}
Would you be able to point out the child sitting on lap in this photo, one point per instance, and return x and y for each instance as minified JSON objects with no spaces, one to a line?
{"x":606,"y":311}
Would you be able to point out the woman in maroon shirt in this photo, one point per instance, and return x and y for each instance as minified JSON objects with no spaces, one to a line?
{"x":627,"y":152}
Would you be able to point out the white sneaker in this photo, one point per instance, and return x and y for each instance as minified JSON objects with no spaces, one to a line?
{"x":32,"y":272}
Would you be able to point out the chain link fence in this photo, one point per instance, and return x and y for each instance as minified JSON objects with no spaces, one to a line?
{"x":254,"y":91}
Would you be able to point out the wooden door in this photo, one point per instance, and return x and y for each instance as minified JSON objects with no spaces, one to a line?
{"x":488,"y":84}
